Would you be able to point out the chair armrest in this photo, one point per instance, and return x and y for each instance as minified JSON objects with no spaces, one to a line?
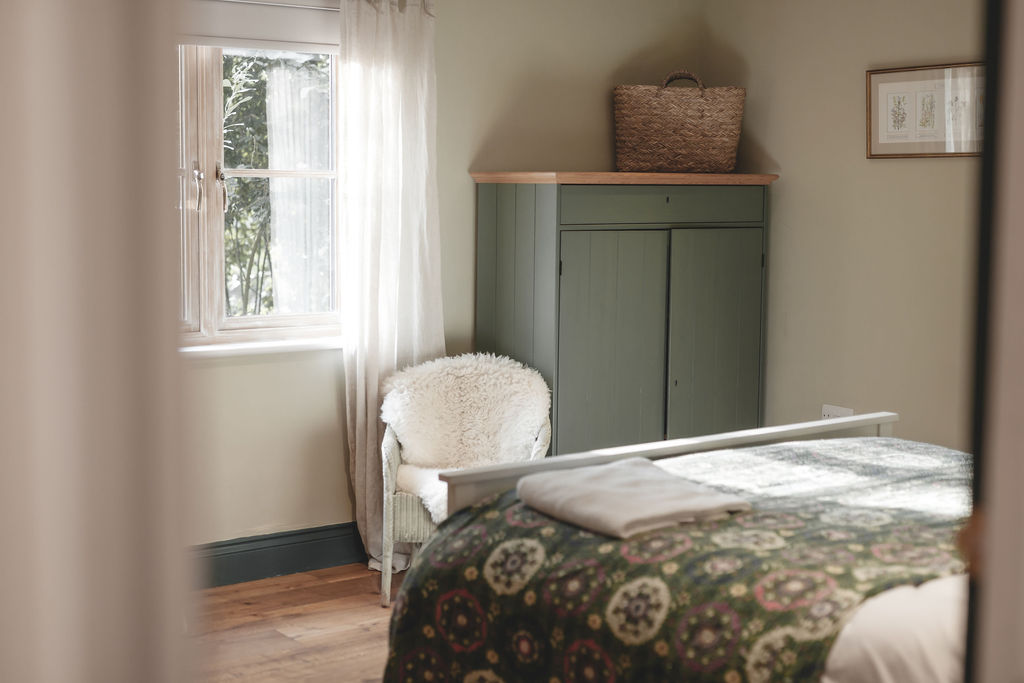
{"x":391,"y":458}
{"x":540,"y":446}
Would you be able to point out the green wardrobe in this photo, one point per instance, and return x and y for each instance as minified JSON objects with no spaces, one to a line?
{"x":639,"y":297}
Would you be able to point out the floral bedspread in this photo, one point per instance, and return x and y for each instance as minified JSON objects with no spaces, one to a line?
{"x":504,"y":593}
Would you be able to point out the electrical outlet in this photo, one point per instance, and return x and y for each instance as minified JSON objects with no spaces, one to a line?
{"x":830,"y":411}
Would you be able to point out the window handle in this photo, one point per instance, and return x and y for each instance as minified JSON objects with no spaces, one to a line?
{"x":198,"y":177}
{"x":223,"y":184}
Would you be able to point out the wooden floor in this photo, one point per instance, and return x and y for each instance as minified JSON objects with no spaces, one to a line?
{"x":325,"y":625}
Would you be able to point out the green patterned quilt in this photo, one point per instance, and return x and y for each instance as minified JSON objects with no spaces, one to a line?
{"x":504,"y":593}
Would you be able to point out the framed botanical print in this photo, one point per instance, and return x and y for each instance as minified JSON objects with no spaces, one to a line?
{"x":925,"y":111}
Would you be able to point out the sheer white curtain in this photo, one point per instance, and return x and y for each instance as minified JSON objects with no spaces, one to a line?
{"x":92,"y":573}
{"x":390,"y":252}
{"x":300,"y":223}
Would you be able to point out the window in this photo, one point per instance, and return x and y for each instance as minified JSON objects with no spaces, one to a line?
{"x":257,"y":190}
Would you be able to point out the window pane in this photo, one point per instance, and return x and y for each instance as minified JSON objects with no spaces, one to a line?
{"x":188,"y":255}
{"x":183,"y":311}
{"x":182,"y":104}
{"x":183,"y":225}
{"x":277,"y":110}
{"x":278,"y":251}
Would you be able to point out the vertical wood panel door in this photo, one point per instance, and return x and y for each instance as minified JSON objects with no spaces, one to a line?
{"x":612,"y":336}
{"x":516,"y":274}
{"x":714,"y":331}
{"x":513,"y":296}
{"x":506,"y":270}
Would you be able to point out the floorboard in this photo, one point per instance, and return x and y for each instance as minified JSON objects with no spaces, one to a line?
{"x":324,"y":625}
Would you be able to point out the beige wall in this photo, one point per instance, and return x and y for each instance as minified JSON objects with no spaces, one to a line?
{"x":267,"y":444}
{"x":869,"y":288}
{"x":871,"y":264}
{"x":870,"y":282}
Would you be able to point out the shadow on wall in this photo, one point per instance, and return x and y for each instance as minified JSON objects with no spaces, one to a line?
{"x":551,"y":120}
{"x":549,"y":123}
{"x":722,"y":65}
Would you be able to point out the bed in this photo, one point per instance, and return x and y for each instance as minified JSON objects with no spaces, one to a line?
{"x":505,"y":593}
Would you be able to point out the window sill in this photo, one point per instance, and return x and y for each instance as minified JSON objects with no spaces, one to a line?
{"x":262,"y":347}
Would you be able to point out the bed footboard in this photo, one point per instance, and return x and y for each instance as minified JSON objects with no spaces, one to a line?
{"x":466,"y":487}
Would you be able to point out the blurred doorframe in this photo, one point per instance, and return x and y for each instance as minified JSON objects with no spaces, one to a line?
{"x":995,"y":629}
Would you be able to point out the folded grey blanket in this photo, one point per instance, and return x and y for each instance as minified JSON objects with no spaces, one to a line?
{"x":623,"y":498}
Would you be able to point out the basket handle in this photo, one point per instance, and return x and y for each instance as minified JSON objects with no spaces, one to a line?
{"x":682,"y":74}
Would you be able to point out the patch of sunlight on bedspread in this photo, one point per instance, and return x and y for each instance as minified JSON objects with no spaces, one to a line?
{"x":876,"y":472}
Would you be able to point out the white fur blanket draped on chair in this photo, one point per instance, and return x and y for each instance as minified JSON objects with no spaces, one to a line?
{"x":466,"y":411}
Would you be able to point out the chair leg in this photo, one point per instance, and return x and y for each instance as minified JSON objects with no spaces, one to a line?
{"x":385,"y":567}
{"x":385,"y":580}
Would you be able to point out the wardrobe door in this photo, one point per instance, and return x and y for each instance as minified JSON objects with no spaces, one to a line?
{"x":611,"y":338}
{"x":714,"y":372}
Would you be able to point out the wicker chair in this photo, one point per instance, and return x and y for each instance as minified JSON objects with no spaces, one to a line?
{"x":452,"y":413}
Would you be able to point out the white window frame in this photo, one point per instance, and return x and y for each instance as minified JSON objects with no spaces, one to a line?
{"x":202,"y":216}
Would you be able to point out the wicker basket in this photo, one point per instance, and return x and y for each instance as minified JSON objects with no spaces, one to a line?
{"x":677,"y":130}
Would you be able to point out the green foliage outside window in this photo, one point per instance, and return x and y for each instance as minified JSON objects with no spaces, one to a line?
{"x":248,"y":269}
{"x":248,"y":265}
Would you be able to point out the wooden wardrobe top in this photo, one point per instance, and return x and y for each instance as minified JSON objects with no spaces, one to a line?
{"x":615,"y":178}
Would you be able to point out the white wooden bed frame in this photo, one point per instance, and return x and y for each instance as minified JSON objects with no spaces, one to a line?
{"x":466,"y":487}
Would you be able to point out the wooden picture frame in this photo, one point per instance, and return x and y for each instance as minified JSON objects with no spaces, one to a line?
{"x":925,"y":111}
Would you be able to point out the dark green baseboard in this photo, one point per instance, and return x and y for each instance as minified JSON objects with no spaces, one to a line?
{"x":288,"y":552}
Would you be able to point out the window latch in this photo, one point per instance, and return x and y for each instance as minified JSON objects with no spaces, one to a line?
{"x":198,"y":177}
{"x":219,"y":172}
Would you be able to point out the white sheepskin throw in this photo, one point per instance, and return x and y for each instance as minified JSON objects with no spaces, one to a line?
{"x":465,"y":411}
{"x":432,"y":492}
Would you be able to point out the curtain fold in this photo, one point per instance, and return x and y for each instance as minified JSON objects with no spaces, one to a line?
{"x":389,"y":257}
